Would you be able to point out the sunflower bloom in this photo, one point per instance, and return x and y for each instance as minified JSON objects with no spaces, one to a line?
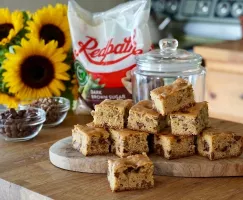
{"x":51,"y":23}
{"x":10,"y":25}
{"x":35,"y":70}
{"x":62,"y":7}
{"x":8,"y":100}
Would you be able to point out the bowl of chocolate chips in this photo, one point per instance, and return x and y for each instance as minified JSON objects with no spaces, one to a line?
{"x":21,"y":124}
{"x":56,"y":109}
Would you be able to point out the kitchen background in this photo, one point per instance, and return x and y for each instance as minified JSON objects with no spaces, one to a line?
{"x":198,"y":25}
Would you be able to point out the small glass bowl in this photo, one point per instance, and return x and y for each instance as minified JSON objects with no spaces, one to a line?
{"x":55,"y":113}
{"x":24,"y":128}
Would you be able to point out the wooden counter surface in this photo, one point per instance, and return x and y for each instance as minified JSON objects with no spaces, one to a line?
{"x":26,"y":173}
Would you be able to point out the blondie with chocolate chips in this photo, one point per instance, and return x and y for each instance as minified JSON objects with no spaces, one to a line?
{"x":174,"y":97}
{"x":190,"y":121}
{"x":143,"y":117}
{"x":112,"y":113}
{"x":127,"y":142}
{"x":216,"y":144}
{"x":90,"y":140}
{"x":171,"y":146}
{"x":131,"y":173}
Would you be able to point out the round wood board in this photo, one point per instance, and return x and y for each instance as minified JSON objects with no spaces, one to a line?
{"x":64,"y":156}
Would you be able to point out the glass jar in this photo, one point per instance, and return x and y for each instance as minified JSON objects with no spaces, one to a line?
{"x":163,"y":66}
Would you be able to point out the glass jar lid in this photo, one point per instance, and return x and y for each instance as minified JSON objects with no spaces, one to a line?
{"x":168,"y":58}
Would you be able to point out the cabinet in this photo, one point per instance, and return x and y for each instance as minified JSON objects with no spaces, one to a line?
{"x":224,"y":80}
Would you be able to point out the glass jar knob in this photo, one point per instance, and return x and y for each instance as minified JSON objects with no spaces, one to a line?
{"x":168,"y":45}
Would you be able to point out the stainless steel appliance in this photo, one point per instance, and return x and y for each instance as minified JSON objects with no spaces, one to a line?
{"x":199,"y":20}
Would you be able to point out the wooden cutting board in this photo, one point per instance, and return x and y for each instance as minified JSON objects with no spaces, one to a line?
{"x":62,"y":155}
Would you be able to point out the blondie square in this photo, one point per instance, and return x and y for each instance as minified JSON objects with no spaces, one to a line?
{"x":131,"y":173}
{"x":112,"y":113}
{"x":142,"y":117}
{"x":171,"y":146}
{"x":127,"y":142}
{"x":216,"y":144}
{"x":90,"y":141}
{"x":190,"y":121}
{"x":174,"y":97}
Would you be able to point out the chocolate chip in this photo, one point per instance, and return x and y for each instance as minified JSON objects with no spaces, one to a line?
{"x":237,"y":137}
{"x":178,"y":140}
{"x":225,"y":148}
{"x":206,"y":146}
{"x":125,"y":151}
{"x":16,"y":123}
{"x":117,"y":175}
{"x":13,"y":112}
{"x":212,"y":156}
{"x":128,"y":170}
{"x":21,"y":113}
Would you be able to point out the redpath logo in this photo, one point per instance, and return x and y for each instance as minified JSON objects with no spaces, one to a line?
{"x":98,"y":56}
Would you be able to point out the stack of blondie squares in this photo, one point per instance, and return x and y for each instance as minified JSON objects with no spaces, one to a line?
{"x":172,"y":125}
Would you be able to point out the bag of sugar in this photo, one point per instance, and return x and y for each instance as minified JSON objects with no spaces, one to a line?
{"x":105,"y":45}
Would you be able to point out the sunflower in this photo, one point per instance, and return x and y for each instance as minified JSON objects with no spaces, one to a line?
{"x":62,"y":8}
{"x":35,"y":70}
{"x":8,"y":100}
{"x":51,"y":23}
{"x":10,"y":25}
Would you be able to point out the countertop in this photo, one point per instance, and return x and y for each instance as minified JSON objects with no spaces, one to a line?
{"x":26,"y":173}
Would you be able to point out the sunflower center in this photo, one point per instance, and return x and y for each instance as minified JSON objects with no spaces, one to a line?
{"x":4,"y":30}
{"x":51,"y":32}
{"x":37,"y":71}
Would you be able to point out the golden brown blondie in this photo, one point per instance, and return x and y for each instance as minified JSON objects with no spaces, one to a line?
{"x":90,"y":140}
{"x":171,"y":98}
{"x":143,"y":117}
{"x":171,"y":146}
{"x":216,"y":144}
{"x":190,"y":121}
{"x":131,"y":173}
{"x":112,"y":113}
{"x":125,"y":142}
